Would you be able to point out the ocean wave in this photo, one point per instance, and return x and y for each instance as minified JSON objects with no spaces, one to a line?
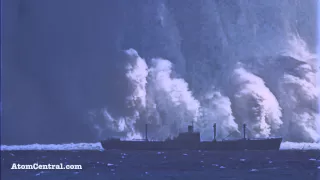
{"x":58,"y":147}
{"x":97,"y":147}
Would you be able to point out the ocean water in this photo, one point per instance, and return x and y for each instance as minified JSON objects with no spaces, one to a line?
{"x":133,"y":165}
{"x":286,"y":164}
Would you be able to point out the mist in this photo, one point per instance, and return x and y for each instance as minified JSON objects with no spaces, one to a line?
{"x":81,"y":71}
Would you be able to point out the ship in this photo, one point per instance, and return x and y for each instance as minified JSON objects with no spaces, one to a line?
{"x":190,"y":140}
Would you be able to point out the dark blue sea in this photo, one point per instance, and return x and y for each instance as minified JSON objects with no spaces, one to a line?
{"x":169,"y":165}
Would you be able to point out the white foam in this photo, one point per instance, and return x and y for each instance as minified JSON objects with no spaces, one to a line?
{"x":71,"y":146}
{"x":109,"y":164}
{"x":299,"y":146}
{"x":98,"y":147}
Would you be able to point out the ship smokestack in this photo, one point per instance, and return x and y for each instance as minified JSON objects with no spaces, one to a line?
{"x":190,"y":129}
{"x":244,"y":131}
{"x":214,"y":131}
{"x":146,"y":132}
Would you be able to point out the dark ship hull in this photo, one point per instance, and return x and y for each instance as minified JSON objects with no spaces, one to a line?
{"x":230,"y":145}
{"x":191,"y":141}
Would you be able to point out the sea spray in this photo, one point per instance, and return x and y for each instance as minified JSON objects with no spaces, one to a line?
{"x":216,"y":108}
{"x":261,"y":65}
{"x":254,"y":104}
{"x":156,"y":97}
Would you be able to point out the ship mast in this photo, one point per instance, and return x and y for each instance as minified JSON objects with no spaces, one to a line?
{"x":244,"y":131}
{"x":146,"y":132}
{"x":190,"y":128}
{"x":214,"y":131}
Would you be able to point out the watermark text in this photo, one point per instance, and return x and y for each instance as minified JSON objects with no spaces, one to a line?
{"x":37,"y":166}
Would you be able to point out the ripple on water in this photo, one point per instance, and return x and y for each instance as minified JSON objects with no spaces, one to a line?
{"x":110,"y":164}
{"x":254,"y":170}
